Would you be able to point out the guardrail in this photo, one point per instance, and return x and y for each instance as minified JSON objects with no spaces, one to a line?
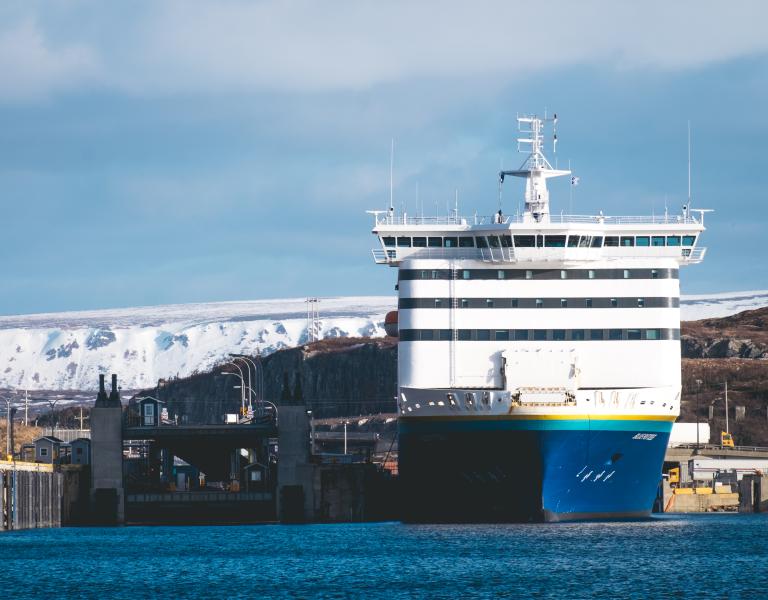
{"x":557,"y":219}
{"x":719,"y":447}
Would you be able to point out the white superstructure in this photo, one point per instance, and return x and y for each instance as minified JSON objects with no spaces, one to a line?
{"x":538,"y":314}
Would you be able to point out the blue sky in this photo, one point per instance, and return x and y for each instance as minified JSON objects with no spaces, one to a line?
{"x":170,"y":152}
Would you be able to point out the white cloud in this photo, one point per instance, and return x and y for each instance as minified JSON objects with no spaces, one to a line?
{"x":30,"y":67}
{"x":298,"y":45}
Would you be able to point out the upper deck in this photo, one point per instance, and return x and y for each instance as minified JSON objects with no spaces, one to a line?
{"x":563,"y":238}
{"x":536,"y":235}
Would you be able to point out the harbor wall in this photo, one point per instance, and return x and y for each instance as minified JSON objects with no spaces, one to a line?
{"x":31,"y":496}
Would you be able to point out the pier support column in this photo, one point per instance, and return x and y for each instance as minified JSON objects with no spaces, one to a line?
{"x":295,"y":474}
{"x":107,"y":496}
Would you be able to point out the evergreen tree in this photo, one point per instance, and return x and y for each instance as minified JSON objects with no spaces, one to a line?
{"x":298,"y":395}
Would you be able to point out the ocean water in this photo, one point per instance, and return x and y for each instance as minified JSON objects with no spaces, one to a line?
{"x":702,"y":556}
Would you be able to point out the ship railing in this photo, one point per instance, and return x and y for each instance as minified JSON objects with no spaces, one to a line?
{"x":492,"y":255}
{"x":386,"y":219}
{"x":702,"y":446}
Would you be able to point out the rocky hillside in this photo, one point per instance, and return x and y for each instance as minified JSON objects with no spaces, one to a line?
{"x":743,"y":335}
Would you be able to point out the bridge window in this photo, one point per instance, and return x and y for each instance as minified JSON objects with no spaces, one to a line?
{"x":521,"y":334}
{"x":539,"y":241}
{"x":506,"y":241}
{"x":563,"y":303}
{"x":654,"y":274}
{"x":435,"y":242}
{"x":539,"y":303}
{"x":590,"y":274}
{"x":514,"y":302}
{"x":596,"y":334}
{"x":438,"y":302}
{"x":466,"y":242}
{"x":465,"y":274}
{"x":597,"y":242}
{"x":673,"y":240}
{"x":584,"y":241}
{"x":626,"y":273}
{"x":435,"y":274}
{"x":450,"y":242}
{"x":419,"y":242}
{"x":689,"y":240}
{"x":614,"y":334}
{"x":558,"y":334}
{"x":612,"y":241}
{"x":563,"y":274}
{"x":464,"y":303}
{"x":614,"y":303}
{"x":489,"y":303}
{"x":502,"y":335}
{"x":484,"y":335}
{"x":573,"y":241}
{"x":577,"y":334}
{"x":643,"y":240}
{"x":529,"y":274}
{"x":554,"y":241}
{"x":657,"y":240}
{"x":404,"y":242}
{"x":481,"y":241}
{"x":445,"y":335}
{"x":500,"y":275}
{"x":427,"y":335}
{"x":633,"y":334}
{"x":525,"y":241}
{"x":587,"y":302}
{"x":388,"y":241}
{"x":539,"y":334}
{"x":493,"y":241}
{"x":627,"y":240}
{"x":653,"y":334}
{"x":641,"y":303}
{"x":464,"y":334}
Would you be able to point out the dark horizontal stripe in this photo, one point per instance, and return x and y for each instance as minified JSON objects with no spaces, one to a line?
{"x":632,"y":302}
{"x":538,"y":274}
{"x":538,"y":335}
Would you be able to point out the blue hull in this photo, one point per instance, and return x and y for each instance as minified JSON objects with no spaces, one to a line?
{"x":505,"y":469}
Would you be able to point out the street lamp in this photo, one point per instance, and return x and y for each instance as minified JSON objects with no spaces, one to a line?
{"x":242,"y":380}
{"x":257,"y":386}
{"x":272,"y":404}
{"x":9,"y":431}
{"x":698,"y":389}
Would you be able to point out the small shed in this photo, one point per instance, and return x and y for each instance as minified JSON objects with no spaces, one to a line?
{"x":48,"y":449}
{"x":81,"y":451}
{"x":149,"y":412}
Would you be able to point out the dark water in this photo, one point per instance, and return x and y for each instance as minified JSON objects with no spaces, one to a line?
{"x":702,"y":556}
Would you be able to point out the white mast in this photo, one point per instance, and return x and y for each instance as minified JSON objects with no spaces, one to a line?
{"x":536,"y":168}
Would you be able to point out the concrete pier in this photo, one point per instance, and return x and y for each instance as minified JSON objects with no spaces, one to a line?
{"x":107,"y":495}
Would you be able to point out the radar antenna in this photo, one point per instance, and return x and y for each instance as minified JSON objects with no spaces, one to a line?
{"x":536,"y":169}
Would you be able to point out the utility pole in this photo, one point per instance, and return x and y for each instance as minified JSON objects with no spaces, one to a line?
{"x":9,"y":430}
{"x":52,"y":404}
{"x":726,"y":407}
{"x":82,"y":418}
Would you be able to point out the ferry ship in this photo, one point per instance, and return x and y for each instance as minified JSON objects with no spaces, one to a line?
{"x":538,"y":354}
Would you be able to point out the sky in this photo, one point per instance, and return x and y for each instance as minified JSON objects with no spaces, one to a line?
{"x":190,"y":151}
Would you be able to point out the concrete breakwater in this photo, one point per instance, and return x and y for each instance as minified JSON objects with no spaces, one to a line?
{"x":30,"y":496}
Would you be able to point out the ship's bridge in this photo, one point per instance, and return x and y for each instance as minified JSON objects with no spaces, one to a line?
{"x":564,"y":238}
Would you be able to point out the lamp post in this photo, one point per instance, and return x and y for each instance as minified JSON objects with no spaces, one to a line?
{"x":272,"y":404}
{"x":9,"y":431}
{"x":698,"y":389}
{"x":257,"y":385}
{"x":242,"y":380}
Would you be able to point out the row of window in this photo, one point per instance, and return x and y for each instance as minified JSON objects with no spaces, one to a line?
{"x":537,"y":241}
{"x":518,"y":274}
{"x":548,"y":335}
{"x":405,"y":303}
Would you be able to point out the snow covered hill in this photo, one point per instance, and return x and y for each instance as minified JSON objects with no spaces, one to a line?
{"x":67,"y":351}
